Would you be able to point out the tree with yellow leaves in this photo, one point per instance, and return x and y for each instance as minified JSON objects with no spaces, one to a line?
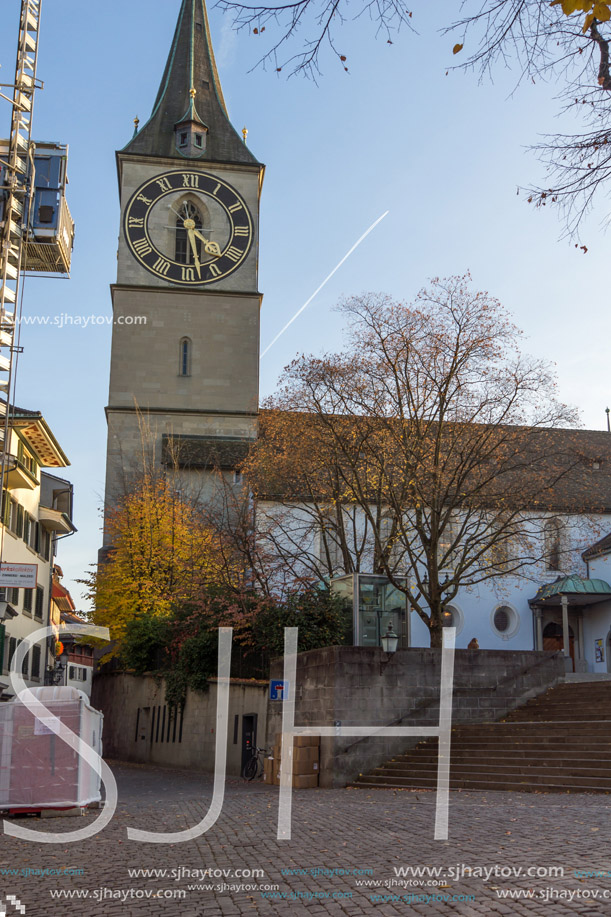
{"x":163,"y":554}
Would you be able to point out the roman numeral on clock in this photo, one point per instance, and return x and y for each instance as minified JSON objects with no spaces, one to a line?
{"x":161,"y":266}
{"x":142,"y":247}
{"x":214,"y":270}
{"x":164,"y":184}
{"x":190,"y":181}
{"x":240,"y":231}
{"x":233,"y":253}
{"x":135,"y":221}
{"x":234,"y":207}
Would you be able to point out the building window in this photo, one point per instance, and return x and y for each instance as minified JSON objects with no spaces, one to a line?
{"x":184,"y":250}
{"x":553,"y":544}
{"x":27,"y":460}
{"x":35,"y":662}
{"x":12,"y":646}
{"x":184,"y":357}
{"x":40,"y":601}
{"x":6,"y":507}
{"x":199,"y":140}
{"x":34,"y":535}
{"x":13,"y":513}
{"x":25,"y":665}
{"x":77,"y":673}
{"x":505,"y":621}
{"x":237,"y":477}
{"x":27,"y":521}
{"x":183,"y":139}
{"x":19,"y":529}
{"x":27,"y":601}
{"x":452,"y":616}
{"x":448,"y":544}
{"x":45,"y":548}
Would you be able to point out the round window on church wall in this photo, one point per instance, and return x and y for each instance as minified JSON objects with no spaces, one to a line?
{"x":501,"y":620}
{"x":505,"y":621}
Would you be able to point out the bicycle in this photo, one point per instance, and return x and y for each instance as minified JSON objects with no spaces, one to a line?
{"x":251,"y":768}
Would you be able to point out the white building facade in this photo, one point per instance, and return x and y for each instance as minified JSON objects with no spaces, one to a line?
{"x":36,"y":513}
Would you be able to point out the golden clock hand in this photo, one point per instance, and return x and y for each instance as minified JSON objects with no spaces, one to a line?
{"x":193,"y":244}
{"x":211,"y":248}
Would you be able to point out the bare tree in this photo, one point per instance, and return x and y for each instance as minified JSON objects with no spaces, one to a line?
{"x":429,"y":446}
{"x":538,"y":39}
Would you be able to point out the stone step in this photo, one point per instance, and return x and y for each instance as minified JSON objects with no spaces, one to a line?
{"x":536,"y":780}
{"x":559,"y":741}
{"x":498,"y":784}
{"x":550,"y":769}
{"x":497,"y":760}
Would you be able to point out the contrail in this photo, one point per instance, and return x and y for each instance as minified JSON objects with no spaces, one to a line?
{"x":326,"y":280}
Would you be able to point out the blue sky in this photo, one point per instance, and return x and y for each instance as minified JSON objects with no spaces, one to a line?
{"x":442,"y":153}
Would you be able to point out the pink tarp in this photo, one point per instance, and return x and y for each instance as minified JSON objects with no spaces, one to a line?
{"x":37,"y":768}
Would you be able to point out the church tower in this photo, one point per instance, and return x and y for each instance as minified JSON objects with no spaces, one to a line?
{"x":185,"y":344}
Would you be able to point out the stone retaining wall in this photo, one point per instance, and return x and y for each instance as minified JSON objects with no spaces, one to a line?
{"x":360,"y":686}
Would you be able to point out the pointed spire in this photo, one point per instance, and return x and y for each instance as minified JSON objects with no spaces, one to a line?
{"x":190,"y":94}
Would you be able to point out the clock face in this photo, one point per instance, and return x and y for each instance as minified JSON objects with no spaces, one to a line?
{"x":189,"y":228}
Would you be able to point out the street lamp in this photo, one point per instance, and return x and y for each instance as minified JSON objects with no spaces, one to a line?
{"x":390,"y":641}
{"x":389,"y":646}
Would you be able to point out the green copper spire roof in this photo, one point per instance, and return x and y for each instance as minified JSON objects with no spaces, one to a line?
{"x":191,"y":91}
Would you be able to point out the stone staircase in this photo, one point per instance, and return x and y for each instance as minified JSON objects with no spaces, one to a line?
{"x":559,"y":741}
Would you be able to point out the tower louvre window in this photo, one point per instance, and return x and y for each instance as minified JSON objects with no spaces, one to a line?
{"x":183,"y":139}
{"x":199,"y":140}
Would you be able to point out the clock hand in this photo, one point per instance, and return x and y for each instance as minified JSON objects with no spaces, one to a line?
{"x":193,"y":244}
{"x":211,"y":248}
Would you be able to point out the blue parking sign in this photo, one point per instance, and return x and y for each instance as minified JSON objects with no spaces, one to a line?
{"x":278,"y":690}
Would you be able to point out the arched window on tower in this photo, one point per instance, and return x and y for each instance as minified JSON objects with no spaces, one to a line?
{"x":184,"y":249}
{"x":553,"y":535}
{"x":184,"y":357}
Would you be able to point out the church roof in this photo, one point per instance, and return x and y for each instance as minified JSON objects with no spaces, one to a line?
{"x":599,"y":548}
{"x":542,"y":470}
{"x":190,"y":90}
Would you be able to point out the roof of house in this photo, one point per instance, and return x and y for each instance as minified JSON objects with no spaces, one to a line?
{"x":62,"y":598}
{"x":599,"y":548}
{"x":35,"y":429}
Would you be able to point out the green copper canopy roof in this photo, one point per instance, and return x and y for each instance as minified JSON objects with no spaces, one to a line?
{"x":191,"y":90}
{"x":573,"y":585}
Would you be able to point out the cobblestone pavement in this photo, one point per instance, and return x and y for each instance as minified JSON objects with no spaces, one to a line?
{"x":341,"y":840}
